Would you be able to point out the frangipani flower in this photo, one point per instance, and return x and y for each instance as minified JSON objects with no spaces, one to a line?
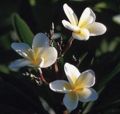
{"x":77,"y":89}
{"x":85,"y":27}
{"x":41,"y":55}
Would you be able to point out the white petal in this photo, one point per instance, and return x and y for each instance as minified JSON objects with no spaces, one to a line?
{"x":70,"y":14}
{"x":71,"y":72}
{"x":96,"y":29}
{"x":82,"y":35}
{"x":69,"y":26}
{"x":59,"y":86}
{"x":49,"y":56}
{"x":87,"y":17}
{"x":19,"y":63}
{"x":70,"y":101}
{"x":88,"y":95}
{"x":40,"y":40}
{"x":86,"y":79}
{"x":20,"y":48}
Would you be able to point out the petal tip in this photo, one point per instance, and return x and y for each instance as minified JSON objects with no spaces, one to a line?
{"x":66,"y":65}
{"x":65,"y":5}
{"x":87,"y":8}
{"x":40,"y":40}
{"x":64,"y":22}
{"x":13,"y":45}
{"x":12,"y":68}
{"x":94,"y":95}
{"x":105,"y":29}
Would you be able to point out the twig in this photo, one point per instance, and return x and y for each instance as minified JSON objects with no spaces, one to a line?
{"x":42,"y":77}
{"x":68,"y":45}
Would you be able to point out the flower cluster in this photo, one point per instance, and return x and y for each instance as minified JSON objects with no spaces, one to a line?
{"x":42,"y":55}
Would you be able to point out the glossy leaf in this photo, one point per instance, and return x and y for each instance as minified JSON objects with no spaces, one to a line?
{"x":22,"y":29}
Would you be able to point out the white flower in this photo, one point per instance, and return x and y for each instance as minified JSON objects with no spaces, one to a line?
{"x":85,"y":27}
{"x":77,"y":89}
{"x":41,"y":55}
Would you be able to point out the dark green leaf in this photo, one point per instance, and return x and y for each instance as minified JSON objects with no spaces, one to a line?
{"x":22,"y":29}
{"x":4,"y":69}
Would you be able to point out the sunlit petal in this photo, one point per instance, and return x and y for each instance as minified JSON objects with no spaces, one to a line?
{"x":86,"y":79}
{"x":83,"y":34}
{"x":17,"y":64}
{"x":20,"y":48}
{"x":70,"y":101}
{"x":49,"y":55}
{"x":87,"y":17}
{"x":60,"y":86}
{"x":72,"y":72}
{"x":69,"y":26}
{"x":88,"y":95}
{"x":70,"y":14}
{"x":96,"y":29}
{"x":40,"y":40}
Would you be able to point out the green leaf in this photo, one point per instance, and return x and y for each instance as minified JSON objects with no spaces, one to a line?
{"x":32,"y":2}
{"x":22,"y":29}
{"x":4,"y":69}
{"x":101,"y":5}
{"x":116,"y":19}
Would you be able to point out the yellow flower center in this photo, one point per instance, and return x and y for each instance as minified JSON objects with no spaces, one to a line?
{"x":34,"y":56}
{"x":80,"y":33}
{"x":75,"y":88}
{"x":83,"y":24}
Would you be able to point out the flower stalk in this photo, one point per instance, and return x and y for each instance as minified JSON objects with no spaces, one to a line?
{"x":68,"y":45}
{"x":41,"y":77}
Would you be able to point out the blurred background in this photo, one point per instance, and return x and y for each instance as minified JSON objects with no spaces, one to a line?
{"x":20,"y":94}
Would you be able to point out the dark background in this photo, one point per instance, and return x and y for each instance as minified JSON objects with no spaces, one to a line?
{"x":20,"y":94}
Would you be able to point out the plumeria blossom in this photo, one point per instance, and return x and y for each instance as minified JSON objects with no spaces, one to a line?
{"x":77,"y":88}
{"x":85,"y":26}
{"x":41,"y":55}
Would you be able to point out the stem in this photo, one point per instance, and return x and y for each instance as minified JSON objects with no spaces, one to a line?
{"x":88,"y":107}
{"x":68,"y":45}
{"x":56,"y":67}
{"x":66,"y":112}
{"x":42,"y":77}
